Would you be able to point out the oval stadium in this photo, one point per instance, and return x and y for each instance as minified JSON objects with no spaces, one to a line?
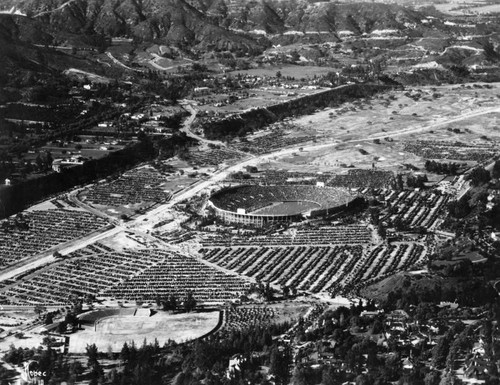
{"x":257,"y":204}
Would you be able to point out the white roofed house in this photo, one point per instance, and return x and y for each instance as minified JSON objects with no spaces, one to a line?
{"x":234,"y":366}
{"x":59,"y":164}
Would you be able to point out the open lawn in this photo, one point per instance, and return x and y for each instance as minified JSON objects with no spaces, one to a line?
{"x":295,"y":71}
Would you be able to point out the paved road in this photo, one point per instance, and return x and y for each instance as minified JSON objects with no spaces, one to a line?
{"x":55,"y":9}
{"x":155,"y":215}
{"x":43,"y":259}
{"x":145,"y":222}
{"x":118,"y":62}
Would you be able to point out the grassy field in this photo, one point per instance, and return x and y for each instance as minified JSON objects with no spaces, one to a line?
{"x":115,"y":331}
{"x":295,"y":71}
{"x":287,"y":208}
{"x":257,"y":97}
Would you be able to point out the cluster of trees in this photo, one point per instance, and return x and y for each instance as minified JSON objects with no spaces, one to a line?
{"x":17,"y":196}
{"x":177,"y":144}
{"x":479,"y":176}
{"x":239,"y":125}
{"x":416,"y":181}
{"x":398,"y":183}
{"x":207,"y":360}
{"x":289,"y":291}
{"x":173,"y":121}
{"x":240,"y":175}
{"x":43,"y":161}
{"x":266,"y":291}
{"x":465,"y":290}
{"x":459,"y":208}
{"x":57,"y":368}
{"x":19,"y":223}
{"x":366,"y":71}
{"x":172,"y":303}
{"x":356,"y":355}
{"x":17,"y":146}
{"x":203,"y":361}
{"x":70,"y":323}
{"x":450,"y":168}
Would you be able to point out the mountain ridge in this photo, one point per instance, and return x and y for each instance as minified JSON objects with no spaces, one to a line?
{"x":233,"y":25}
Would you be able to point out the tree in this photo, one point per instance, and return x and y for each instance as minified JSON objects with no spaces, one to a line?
{"x":460,"y":208}
{"x":354,"y":358}
{"x":48,"y":160}
{"x":171,"y":304}
{"x":93,"y":364}
{"x":399,"y":182}
{"x":479,"y":176}
{"x":202,"y":356}
{"x":39,"y":309}
{"x":381,"y":231}
{"x":495,"y":172}
{"x":440,"y":352}
{"x":92,"y":355}
{"x":268,"y":292}
{"x":286,"y":291}
{"x":280,"y":360}
{"x":302,"y":375}
{"x":432,"y":378}
{"x":374,"y":215}
{"x":39,"y":162}
{"x":329,"y":376}
{"x":49,"y":319}
{"x":48,"y":341}
{"x":125,"y":353}
{"x":189,"y":302}
{"x":199,"y":67}
{"x":62,"y":327}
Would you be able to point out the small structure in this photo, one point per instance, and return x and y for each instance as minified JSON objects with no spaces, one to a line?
{"x":59,"y":164}
{"x":201,"y":90}
{"x":235,"y":363}
{"x":8,"y":181}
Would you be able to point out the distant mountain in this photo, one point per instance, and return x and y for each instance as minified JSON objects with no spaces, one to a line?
{"x":357,"y":18}
{"x":240,"y":26}
{"x":164,"y":21}
{"x":277,"y":16}
{"x":237,"y":25}
{"x":25,"y":47}
{"x":17,"y":51}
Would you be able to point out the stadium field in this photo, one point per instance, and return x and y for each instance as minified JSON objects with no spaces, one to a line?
{"x":287,"y":208}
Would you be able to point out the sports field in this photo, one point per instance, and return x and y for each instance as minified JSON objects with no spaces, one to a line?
{"x":113,"y":331}
{"x":288,"y":208}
